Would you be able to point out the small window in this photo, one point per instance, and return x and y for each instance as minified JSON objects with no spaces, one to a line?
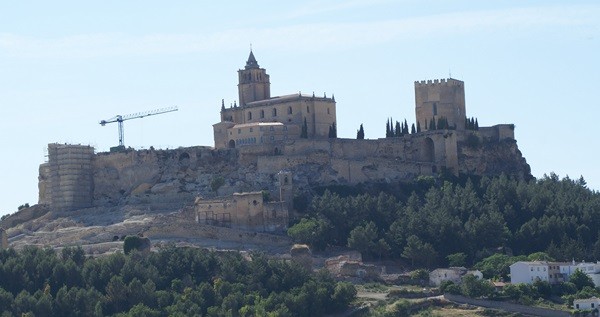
{"x":274,"y":112}
{"x":250,"y":115}
{"x":577,"y":306}
{"x":327,"y":110}
{"x":307,"y":109}
{"x":592,"y":305}
{"x":531,"y":269}
{"x":251,"y":129}
{"x":239,"y":131}
{"x":289,"y":110}
{"x":262,"y":114}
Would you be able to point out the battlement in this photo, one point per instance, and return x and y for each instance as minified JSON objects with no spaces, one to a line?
{"x":439,"y":82}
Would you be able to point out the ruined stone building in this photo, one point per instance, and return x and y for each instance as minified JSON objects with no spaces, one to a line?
{"x":249,"y":210}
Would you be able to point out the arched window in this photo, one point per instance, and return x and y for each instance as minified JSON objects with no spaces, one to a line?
{"x":289,"y":110}
{"x":274,"y":112}
{"x":262,"y":114}
{"x":327,"y":110}
{"x":249,"y":115}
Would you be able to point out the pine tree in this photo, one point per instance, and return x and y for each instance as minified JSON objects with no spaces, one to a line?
{"x":412,"y":129}
{"x":360,"y":134}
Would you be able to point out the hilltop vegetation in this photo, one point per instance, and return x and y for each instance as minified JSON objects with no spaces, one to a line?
{"x":171,"y":282}
{"x":432,"y":222}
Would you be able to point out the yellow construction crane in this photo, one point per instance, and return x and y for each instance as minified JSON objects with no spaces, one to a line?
{"x":120,"y":119}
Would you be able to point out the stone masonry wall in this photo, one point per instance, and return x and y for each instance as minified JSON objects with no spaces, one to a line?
{"x":70,"y":170}
{"x":171,"y":179}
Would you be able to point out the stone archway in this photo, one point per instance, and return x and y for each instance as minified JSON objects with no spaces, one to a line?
{"x":231,"y":144}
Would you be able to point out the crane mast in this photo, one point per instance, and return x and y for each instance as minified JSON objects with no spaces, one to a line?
{"x":119,"y":119}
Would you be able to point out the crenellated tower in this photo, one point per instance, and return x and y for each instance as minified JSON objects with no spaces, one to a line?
{"x":437,"y":99}
{"x":254,"y":82}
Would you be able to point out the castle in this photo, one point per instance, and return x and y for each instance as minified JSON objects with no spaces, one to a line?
{"x":265,"y":137}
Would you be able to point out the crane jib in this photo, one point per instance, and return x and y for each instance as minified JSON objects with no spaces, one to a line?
{"x":120,"y":119}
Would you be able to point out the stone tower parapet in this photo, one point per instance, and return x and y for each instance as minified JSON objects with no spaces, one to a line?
{"x":70,"y":176}
{"x":440,"y":98}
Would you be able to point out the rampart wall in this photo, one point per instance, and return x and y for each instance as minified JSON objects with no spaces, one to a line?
{"x":76,"y":178}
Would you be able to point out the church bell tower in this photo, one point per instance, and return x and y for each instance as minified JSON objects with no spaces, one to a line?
{"x":254,"y":82}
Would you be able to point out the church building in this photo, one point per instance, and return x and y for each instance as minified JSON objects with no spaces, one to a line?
{"x":261,"y":119}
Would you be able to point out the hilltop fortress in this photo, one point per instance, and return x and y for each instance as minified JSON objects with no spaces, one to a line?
{"x":270,"y":149}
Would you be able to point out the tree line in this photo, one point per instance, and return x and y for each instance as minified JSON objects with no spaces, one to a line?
{"x":430,"y":219}
{"x":171,"y":282}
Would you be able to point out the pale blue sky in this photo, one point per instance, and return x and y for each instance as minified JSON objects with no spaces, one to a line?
{"x":66,"y":65}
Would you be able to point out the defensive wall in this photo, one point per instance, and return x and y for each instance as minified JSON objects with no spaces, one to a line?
{"x":75,"y":177}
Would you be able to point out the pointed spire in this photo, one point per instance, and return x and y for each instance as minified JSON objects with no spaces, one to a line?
{"x":222,"y":104}
{"x":251,"y":62}
{"x":333,"y":97}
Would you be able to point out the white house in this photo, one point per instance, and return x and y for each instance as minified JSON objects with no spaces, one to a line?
{"x":453,"y":274}
{"x":529,"y":272}
{"x":551,"y":272}
{"x":587,"y":303}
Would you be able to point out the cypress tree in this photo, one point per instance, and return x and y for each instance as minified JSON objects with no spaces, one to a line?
{"x":441,"y":124}
{"x":304,"y":133}
{"x":432,"y":124}
{"x":405,"y":131}
{"x":333,"y":131}
{"x":360,"y":134}
{"x":387,"y":128}
{"x":412,"y":129}
{"x":476,"y":124}
{"x":398,"y":131}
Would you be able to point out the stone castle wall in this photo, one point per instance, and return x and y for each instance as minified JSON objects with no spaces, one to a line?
{"x":171,"y":179}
